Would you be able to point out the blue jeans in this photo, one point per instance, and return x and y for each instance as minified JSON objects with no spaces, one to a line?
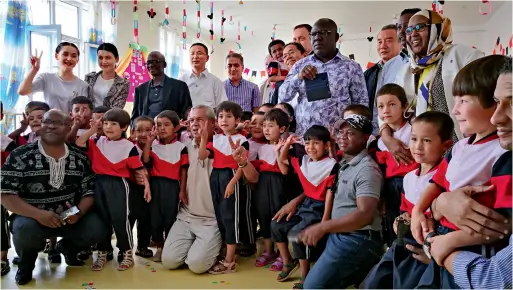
{"x":345,"y":262}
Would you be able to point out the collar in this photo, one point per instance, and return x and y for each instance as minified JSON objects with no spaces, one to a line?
{"x":364,"y":153}
{"x":338,"y":55}
{"x":203,"y":73}
{"x":235,"y":86}
{"x":175,"y":138}
{"x":42,"y":151}
{"x":159,"y":85}
{"x":435,"y":167}
{"x":492,"y":136}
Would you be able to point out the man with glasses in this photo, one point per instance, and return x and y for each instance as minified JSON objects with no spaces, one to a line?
{"x":161,"y":92}
{"x":344,"y":76}
{"x":205,"y":88}
{"x":354,"y":239}
{"x":49,"y":187}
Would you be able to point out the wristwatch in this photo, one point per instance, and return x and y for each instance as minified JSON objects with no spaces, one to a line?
{"x":427,"y":245}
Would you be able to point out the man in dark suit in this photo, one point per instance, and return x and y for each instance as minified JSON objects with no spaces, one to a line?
{"x":161,"y":93}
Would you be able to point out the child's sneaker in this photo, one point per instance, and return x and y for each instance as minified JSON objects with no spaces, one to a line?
{"x":100,"y":262}
{"x":128,"y":261}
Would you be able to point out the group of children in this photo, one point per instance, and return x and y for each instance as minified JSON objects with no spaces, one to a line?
{"x":260,"y":167}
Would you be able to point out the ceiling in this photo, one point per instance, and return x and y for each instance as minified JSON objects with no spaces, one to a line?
{"x":354,"y":17}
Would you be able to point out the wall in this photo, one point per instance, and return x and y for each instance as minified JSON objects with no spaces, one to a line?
{"x":499,"y":25}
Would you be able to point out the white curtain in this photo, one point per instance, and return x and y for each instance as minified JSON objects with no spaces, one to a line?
{"x":170,"y":46}
{"x":102,"y":28}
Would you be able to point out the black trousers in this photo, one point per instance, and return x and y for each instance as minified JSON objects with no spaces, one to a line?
{"x":268,"y":198}
{"x":163,"y":206}
{"x":111,"y":197}
{"x":140,"y":212}
{"x":310,"y":212}
{"x":29,"y":236}
{"x":6,"y":235}
{"x":233,"y":214}
{"x":392,"y":190}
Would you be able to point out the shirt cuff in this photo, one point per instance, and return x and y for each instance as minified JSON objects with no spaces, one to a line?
{"x":460,"y":267}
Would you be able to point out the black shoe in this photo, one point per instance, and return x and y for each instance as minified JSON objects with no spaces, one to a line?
{"x":54,"y":256}
{"x":5,"y":267}
{"x":15,"y":260}
{"x":72,"y":260}
{"x":84,"y":255}
{"x":110,"y":256}
{"x":23,"y":277}
{"x":120,"y":257}
{"x":144,"y":252}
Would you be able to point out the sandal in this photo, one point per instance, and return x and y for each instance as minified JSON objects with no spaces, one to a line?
{"x":5,"y":267}
{"x":223,"y":268}
{"x":264,"y":259}
{"x":144,"y":252}
{"x":100,"y":262}
{"x":292,"y":267}
{"x":128,"y":261}
{"x":277,"y":266}
{"x":299,"y":285}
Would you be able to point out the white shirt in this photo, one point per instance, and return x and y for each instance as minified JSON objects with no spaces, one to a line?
{"x":206,"y":89}
{"x":57,"y":92}
{"x":101,"y":89}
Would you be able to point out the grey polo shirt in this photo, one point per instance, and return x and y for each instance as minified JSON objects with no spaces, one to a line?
{"x":360,"y":177}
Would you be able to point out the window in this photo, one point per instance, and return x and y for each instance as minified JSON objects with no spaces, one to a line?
{"x":40,"y":13}
{"x":67,"y":16}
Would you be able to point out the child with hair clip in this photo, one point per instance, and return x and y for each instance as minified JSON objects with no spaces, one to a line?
{"x":230,"y":195}
{"x":392,"y":103}
{"x":167,"y":161}
{"x":431,"y":137}
{"x":33,"y":118}
{"x":113,"y":159}
{"x":317,"y":173}
{"x":7,"y":145}
{"x":270,"y":190}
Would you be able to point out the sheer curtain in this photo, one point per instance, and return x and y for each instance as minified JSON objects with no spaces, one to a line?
{"x":172,"y":49}
{"x":14,"y":18}
{"x":101,"y":29}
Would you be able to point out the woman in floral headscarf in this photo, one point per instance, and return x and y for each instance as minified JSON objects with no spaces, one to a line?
{"x":434,"y":63}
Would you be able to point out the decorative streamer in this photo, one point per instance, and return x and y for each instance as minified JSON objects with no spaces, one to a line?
{"x":438,"y":6}
{"x":184,"y":29}
{"x":245,"y":28}
{"x":166,"y":17}
{"x":223,"y":19}
{"x":252,"y":33}
{"x":198,"y":14}
{"x":238,"y":30}
{"x":211,"y":16}
{"x":240,"y":48}
{"x":485,"y":8}
{"x":274,"y":32}
{"x":135,"y":17}
{"x":231,"y":20}
{"x":151,"y":14}
{"x":113,"y":12}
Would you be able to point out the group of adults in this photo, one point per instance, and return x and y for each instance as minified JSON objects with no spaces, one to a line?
{"x":421,"y":39}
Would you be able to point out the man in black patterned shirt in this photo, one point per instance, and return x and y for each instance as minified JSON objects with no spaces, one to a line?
{"x":41,"y":180}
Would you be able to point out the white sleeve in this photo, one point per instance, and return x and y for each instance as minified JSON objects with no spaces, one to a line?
{"x":39,"y":83}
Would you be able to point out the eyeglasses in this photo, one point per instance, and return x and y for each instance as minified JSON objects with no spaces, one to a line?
{"x":419,"y":27}
{"x":154,"y":62}
{"x":290,"y":53}
{"x":48,"y":122}
{"x":322,"y":33}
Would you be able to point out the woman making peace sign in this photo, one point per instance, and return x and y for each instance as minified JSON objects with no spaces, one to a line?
{"x":58,"y":88}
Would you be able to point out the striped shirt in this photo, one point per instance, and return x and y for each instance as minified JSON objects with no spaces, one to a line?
{"x":473,"y":271}
{"x":246,"y":94}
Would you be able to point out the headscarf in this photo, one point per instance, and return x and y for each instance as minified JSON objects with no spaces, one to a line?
{"x":440,"y":40}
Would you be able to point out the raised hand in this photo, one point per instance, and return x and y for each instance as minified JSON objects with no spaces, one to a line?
{"x":203,"y":130}
{"x":24,"y":123}
{"x":35,"y":61}
{"x":279,"y":145}
{"x":308,"y":72}
{"x":291,"y":139}
{"x":153,"y":135}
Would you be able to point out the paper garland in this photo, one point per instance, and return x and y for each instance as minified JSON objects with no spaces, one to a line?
{"x":485,"y":8}
{"x":166,"y":13}
{"x":223,"y":19}
{"x":438,"y":6}
{"x":503,"y":49}
{"x":198,"y":19}
{"x":135,"y":17}
{"x":184,"y":28}
{"x":273,"y":37}
{"x":211,"y":16}
{"x":113,"y":12}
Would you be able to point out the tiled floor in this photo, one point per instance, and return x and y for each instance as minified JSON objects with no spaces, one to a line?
{"x":58,"y":276}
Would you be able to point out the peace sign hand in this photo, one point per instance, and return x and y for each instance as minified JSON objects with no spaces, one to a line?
{"x":35,"y":61}
{"x":24,"y":123}
{"x":203,"y":130}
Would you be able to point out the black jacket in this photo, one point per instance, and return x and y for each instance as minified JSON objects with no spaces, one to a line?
{"x":371,"y":80}
{"x":176,"y":97}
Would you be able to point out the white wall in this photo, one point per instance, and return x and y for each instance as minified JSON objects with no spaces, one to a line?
{"x":499,"y":25}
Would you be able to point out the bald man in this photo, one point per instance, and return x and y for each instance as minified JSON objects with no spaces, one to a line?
{"x":161,"y":92}
{"x":41,"y":181}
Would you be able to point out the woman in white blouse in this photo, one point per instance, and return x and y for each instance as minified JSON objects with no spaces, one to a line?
{"x":106,"y":88}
